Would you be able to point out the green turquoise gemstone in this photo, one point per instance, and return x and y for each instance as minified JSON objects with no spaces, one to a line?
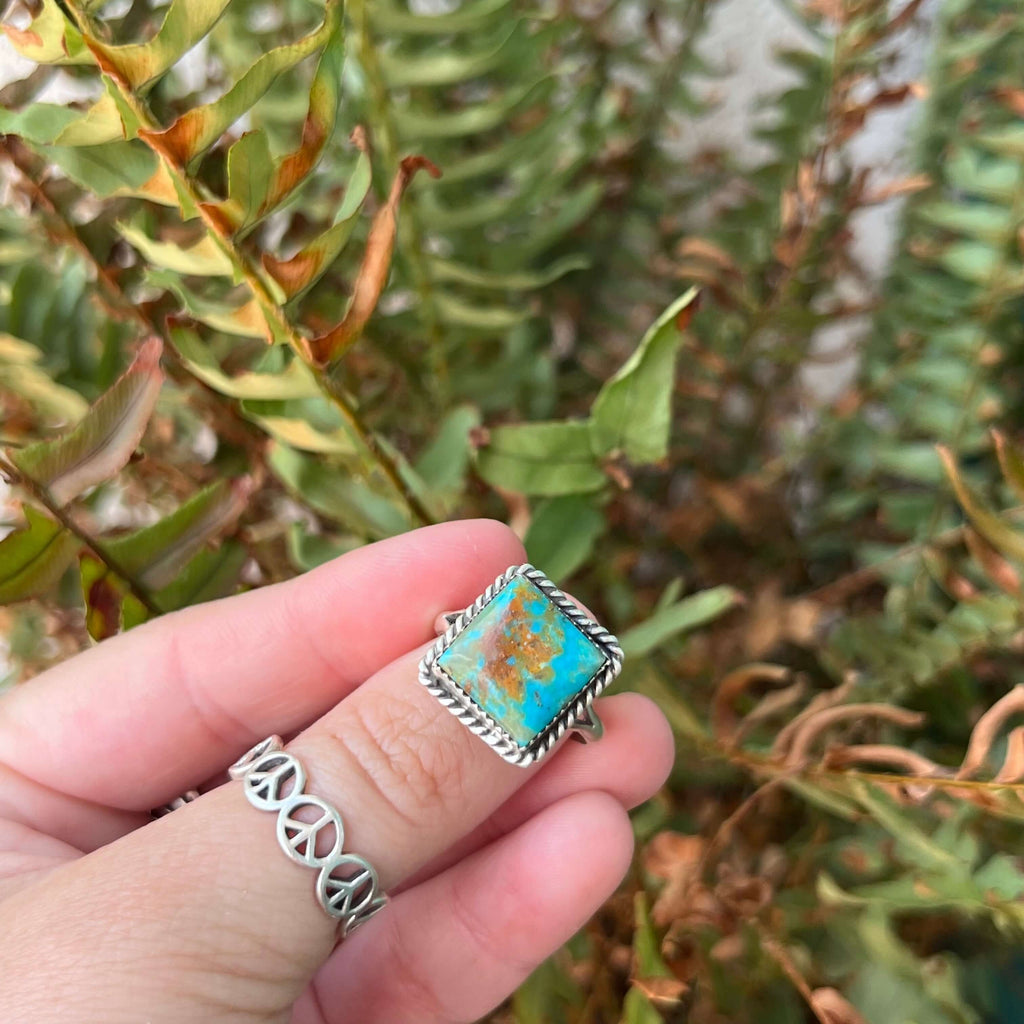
{"x":522,"y":659}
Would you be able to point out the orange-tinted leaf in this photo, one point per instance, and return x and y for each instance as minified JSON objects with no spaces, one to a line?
{"x":373,"y":272}
{"x":302,"y":270}
{"x":832,"y":1008}
{"x":197,"y":130}
{"x":992,"y":527}
{"x":318,"y":126}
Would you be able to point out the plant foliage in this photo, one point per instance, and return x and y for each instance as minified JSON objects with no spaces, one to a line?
{"x":283,"y":279}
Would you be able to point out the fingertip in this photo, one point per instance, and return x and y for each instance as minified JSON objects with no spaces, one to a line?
{"x":602,"y":824}
{"x":584,"y":845}
{"x":490,"y":537}
{"x":659,"y":750}
{"x":638,"y":739}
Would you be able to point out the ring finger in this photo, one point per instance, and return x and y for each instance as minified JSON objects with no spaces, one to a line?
{"x":408,"y":779}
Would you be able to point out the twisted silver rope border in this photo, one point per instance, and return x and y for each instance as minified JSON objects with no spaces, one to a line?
{"x":440,"y":685}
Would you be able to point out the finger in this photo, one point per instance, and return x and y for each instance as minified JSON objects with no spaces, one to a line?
{"x":80,"y":823}
{"x":631,"y":763}
{"x":140,"y":718}
{"x":456,"y":946}
{"x":25,"y":853}
{"x":409,"y":780}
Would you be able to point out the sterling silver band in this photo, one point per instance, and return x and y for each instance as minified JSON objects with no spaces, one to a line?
{"x":172,"y":805}
{"x":310,"y":831}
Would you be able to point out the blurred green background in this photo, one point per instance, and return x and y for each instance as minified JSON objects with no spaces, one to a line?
{"x":716,"y":302}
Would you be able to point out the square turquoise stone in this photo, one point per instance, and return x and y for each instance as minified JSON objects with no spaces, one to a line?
{"x":522,"y":659}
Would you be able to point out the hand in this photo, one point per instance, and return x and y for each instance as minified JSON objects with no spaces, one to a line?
{"x":108,"y":916}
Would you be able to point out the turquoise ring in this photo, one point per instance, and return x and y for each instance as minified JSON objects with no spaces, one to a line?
{"x":521,"y":666}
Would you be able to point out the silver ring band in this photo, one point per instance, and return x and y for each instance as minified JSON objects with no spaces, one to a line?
{"x":173,"y":805}
{"x":311,"y":832}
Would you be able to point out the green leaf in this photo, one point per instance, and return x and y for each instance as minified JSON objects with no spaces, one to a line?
{"x":972,"y":261}
{"x":992,"y":527}
{"x":337,"y":495}
{"x":102,"y":122}
{"x":469,"y":17}
{"x":104,"y":439}
{"x":212,"y":574}
{"x":979,"y":174}
{"x":531,"y":188}
{"x":294,"y":381}
{"x":300,"y":433}
{"x":913,"y":843}
{"x":983,"y":221}
{"x":402,"y":69}
{"x":553,"y":229}
{"x":139,"y":64}
{"x":681,"y":617}
{"x":1008,"y":141}
{"x":308,"y":550}
{"x":256,"y":185}
{"x":33,"y":559}
{"x":50,"y":38}
{"x":111,"y":607}
{"x":546,"y":995}
{"x":1011,"y":463}
{"x":562,"y":534}
{"x":156,"y":554}
{"x":443,"y":465}
{"x":21,"y":374}
{"x":38,"y":123}
{"x":113,"y":169}
{"x":457,"y":311}
{"x":637,"y":1008}
{"x":541,"y":458}
{"x":250,"y":169}
{"x":427,"y":125}
{"x":43,"y":124}
{"x":912,"y":460}
{"x":632,"y":412}
{"x":514,"y":280}
{"x":202,"y":259}
{"x":497,"y":158}
{"x":197,"y":130}
{"x":245,"y":320}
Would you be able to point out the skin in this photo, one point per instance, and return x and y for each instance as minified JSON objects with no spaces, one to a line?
{"x":198,"y":916}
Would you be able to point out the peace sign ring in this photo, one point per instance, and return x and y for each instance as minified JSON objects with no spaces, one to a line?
{"x":347,"y":886}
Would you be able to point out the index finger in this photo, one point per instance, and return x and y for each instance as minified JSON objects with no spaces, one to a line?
{"x":140,"y":718}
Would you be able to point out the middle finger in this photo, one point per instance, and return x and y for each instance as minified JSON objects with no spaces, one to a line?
{"x":408,"y":779}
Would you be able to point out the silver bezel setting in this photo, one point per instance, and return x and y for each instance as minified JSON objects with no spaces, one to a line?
{"x":475,"y":718}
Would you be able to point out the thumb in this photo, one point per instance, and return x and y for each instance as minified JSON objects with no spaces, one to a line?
{"x":201,"y":915}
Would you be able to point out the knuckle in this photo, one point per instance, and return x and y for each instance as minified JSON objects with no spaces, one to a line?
{"x":401,"y":752}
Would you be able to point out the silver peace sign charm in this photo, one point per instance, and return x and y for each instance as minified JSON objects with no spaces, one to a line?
{"x":348,"y":890}
{"x":273,"y":779}
{"x":311,"y":832}
{"x":299,"y":839}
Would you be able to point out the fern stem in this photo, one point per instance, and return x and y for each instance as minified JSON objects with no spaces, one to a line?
{"x":275,"y":316}
{"x":410,"y":231}
{"x":139,"y":591}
